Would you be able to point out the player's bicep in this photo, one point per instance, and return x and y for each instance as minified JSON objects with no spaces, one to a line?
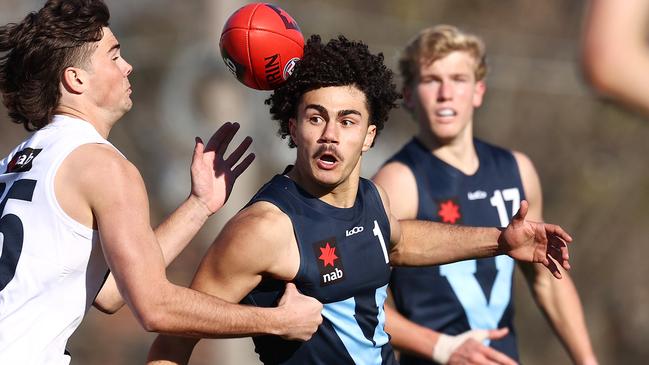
{"x":223,"y":273}
{"x":121,"y":209}
{"x":119,"y":203}
{"x":254,"y":244}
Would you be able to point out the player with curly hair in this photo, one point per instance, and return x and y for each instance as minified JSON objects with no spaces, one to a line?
{"x":322,"y":69}
{"x":330,"y":232}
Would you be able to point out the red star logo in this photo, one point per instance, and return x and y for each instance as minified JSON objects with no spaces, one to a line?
{"x":328,"y":255}
{"x":449,"y":212}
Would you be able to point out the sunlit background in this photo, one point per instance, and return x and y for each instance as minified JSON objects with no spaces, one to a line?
{"x":591,"y":155}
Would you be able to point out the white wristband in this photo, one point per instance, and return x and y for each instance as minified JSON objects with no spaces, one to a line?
{"x":446,"y":344}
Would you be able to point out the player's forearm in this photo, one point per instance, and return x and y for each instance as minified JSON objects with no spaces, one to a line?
{"x":180,"y":311}
{"x":178,"y":229}
{"x":172,"y":235}
{"x":560,"y":303}
{"x":408,"y":336}
{"x":430,"y":243}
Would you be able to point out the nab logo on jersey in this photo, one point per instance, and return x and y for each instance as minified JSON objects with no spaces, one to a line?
{"x":22,"y":160}
{"x":329,"y":262}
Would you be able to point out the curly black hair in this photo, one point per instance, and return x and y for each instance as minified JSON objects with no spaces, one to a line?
{"x":340,"y":62}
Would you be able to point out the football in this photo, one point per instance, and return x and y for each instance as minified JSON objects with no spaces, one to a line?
{"x":261,"y":44}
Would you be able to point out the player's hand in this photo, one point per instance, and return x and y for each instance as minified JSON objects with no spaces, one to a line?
{"x":213,"y":175}
{"x":536,"y":242}
{"x":467,"y":348}
{"x":300,"y":314}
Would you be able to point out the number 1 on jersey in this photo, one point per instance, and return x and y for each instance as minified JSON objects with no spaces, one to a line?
{"x":498,"y":200}
{"x":377,"y":233}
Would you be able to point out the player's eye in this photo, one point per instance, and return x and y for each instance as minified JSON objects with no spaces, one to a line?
{"x":428,"y":80}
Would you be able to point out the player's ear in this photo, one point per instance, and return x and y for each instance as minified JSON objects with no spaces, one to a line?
{"x":478,"y":93}
{"x":74,"y":80}
{"x":292,"y":128}
{"x":369,"y":137}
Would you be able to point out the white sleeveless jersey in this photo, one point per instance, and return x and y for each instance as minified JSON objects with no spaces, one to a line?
{"x":51,"y":267}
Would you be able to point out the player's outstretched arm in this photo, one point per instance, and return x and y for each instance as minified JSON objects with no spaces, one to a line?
{"x":615,"y":55}
{"x":213,"y":177}
{"x":422,"y":243}
{"x":115,"y":193}
{"x":257,"y":242}
{"x":466,"y":348}
{"x":558,"y":299}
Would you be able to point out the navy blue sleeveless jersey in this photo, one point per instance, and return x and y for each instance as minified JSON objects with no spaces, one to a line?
{"x":471,"y":294}
{"x":344,"y":264}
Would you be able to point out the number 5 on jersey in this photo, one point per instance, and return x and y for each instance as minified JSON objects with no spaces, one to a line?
{"x":12,"y":228}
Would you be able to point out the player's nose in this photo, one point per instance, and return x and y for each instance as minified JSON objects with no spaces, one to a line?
{"x":445,"y":91}
{"x":330,"y":132}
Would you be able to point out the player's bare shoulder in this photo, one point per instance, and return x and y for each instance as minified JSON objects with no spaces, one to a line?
{"x":531,"y":184}
{"x":394,"y":173}
{"x":262,"y":235}
{"x":90,"y":172}
{"x":529,"y":176}
{"x":399,"y":183}
{"x":100,"y":170}
{"x":524,"y":162}
{"x":96,"y":162}
{"x":261,"y":219}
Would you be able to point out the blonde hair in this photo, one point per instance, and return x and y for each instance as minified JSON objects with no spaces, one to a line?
{"x":437,"y":42}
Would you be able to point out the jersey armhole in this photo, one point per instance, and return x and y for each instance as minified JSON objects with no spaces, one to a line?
{"x":376,"y":195}
{"x":50,"y":193}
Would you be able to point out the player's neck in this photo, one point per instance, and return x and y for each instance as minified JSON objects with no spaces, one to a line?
{"x":103,"y":128}
{"x":458,"y":152}
{"x":340,"y":195}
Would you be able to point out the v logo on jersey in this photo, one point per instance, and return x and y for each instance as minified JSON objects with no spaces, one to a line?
{"x":329,"y":262}
{"x":481,"y":312}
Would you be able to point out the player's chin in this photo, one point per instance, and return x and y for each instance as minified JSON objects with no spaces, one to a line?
{"x":127,"y":106}
{"x":329,"y":178}
{"x":445,"y":132}
{"x":122,"y":109}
